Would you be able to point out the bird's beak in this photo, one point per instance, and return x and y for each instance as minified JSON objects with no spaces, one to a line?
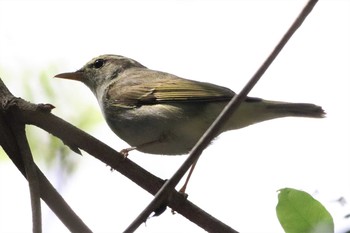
{"x":78,"y":75}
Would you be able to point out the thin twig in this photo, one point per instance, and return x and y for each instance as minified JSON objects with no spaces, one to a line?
{"x":48,"y":193}
{"x":31,"y":173}
{"x":231,"y":107}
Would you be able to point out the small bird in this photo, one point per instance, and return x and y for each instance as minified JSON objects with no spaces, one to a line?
{"x":159,"y":113}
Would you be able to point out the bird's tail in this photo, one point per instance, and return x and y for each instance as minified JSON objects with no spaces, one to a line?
{"x":295,"y":109}
{"x":255,"y":110}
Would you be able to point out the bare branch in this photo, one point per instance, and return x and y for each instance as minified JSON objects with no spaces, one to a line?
{"x":76,"y":139}
{"x":37,"y":115}
{"x":208,"y":136}
{"x":30,"y":168}
{"x":8,"y":141}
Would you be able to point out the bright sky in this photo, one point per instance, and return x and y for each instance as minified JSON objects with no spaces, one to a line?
{"x":222,"y":42}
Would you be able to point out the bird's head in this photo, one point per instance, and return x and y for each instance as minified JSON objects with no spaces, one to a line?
{"x":101,"y":70}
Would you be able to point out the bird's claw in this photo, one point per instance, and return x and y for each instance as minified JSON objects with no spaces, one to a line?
{"x":125,"y":152}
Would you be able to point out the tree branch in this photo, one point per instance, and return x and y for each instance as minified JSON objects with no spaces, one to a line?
{"x":224,"y":116}
{"x":8,"y":141}
{"x":29,"y":165}
{"x":40,"y":116}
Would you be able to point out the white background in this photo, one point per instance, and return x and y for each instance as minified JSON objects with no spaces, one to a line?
{"x":222,"y":42}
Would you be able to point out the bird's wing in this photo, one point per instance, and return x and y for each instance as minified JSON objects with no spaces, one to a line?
{"x":157,"y":87}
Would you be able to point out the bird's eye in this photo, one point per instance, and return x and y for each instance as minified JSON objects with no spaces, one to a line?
{"x":98,"y":63}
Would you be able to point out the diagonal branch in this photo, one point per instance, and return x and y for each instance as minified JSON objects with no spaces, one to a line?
{"x":137,"y":174}
{"x":9,"y":142}
{"x":30,"y":169}
{"x":208,"y":136}
{"x":35,"y":114}
{"x":38,"y":115}
{"x":47,"y":192}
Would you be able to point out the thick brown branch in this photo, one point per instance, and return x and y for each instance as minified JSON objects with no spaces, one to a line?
{"x":76,"y":138}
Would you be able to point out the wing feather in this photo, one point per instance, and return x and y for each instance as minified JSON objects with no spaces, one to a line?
{"x":147,"y":87}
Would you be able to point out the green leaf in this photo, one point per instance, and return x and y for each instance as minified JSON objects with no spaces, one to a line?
{"x":299,"y":212}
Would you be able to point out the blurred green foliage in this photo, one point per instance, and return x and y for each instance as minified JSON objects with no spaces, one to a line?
{"x":40,"y":87}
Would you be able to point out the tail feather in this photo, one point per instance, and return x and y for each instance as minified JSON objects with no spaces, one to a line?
{"x":255,"y":110}
{"x":297,"y":109}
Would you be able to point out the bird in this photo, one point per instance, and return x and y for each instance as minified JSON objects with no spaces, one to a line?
{"x":160,"y":113}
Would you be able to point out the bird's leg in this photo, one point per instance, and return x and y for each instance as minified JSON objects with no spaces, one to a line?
{"x":183,"y":189}
{"x":125,"y":152}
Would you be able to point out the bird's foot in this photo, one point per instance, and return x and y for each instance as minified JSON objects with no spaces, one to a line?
{"x":125,"y":152}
